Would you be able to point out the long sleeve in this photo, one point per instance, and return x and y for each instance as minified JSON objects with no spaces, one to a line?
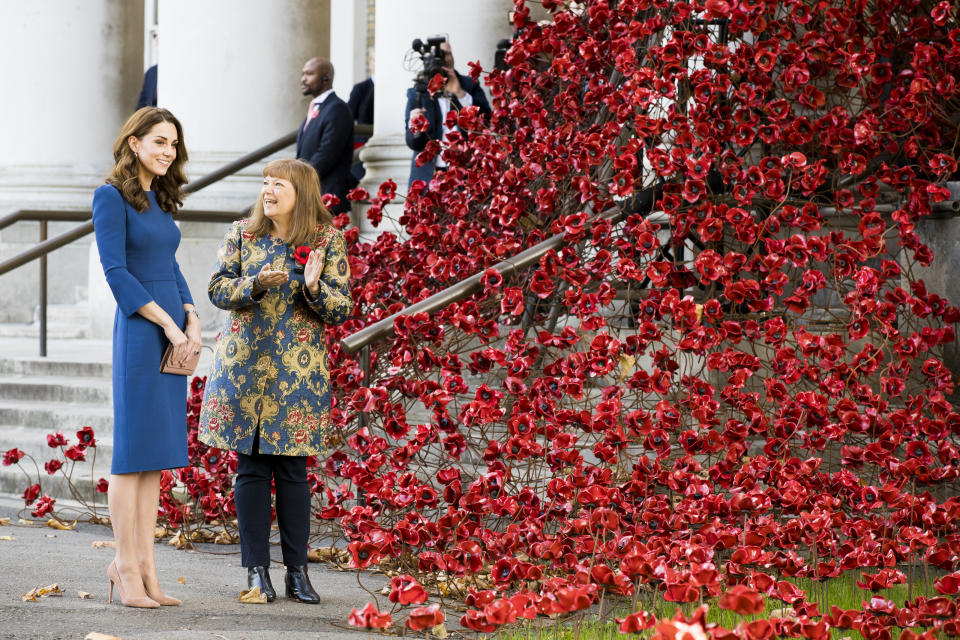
{"x":228,"y":288}
{"x":418,"y":141}
{"x":333,"y":302}
{"x":337,"y":133}
{"x":110,"y":228}
{"x":185,"y":296}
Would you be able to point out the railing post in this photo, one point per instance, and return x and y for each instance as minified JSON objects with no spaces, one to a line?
{"x":365,"y":367}
{"x":362,"y":415}
{"x":43,"y":293}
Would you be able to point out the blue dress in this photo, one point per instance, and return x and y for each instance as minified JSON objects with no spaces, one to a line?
{"x":137,"y":251}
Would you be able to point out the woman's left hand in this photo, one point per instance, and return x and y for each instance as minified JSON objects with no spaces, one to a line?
{"x":312,"y":272}
{"x":192,"y":331}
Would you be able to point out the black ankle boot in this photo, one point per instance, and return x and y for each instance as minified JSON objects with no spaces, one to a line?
{"x":260,"y":577}
{"x":299,"y":587}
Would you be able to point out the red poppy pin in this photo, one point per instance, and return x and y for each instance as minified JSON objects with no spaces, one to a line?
{"x":301,"y":254}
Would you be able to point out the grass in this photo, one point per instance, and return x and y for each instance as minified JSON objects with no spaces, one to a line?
{"x":841,"y":592}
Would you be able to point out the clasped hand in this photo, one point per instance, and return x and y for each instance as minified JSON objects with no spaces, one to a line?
{"x":186,"y":343}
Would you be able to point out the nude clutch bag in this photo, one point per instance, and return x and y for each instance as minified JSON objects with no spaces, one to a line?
{"x":167,"y":365}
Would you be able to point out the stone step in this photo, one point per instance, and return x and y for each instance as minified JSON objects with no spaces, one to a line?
{"x":78,"y":314}
{"x":35,"y":367}
{"x":56,"y":389}
{"x":84,"y":474}
{"x":48,"y":416}
{"x":55,"y":330}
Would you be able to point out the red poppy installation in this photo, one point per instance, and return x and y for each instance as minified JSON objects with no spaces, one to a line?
{"x":727,"y":376}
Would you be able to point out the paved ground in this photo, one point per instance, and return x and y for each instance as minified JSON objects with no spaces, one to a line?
{"x":38,"y":556}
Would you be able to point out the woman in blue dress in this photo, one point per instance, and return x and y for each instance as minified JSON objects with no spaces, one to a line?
{"x":137,"y":240}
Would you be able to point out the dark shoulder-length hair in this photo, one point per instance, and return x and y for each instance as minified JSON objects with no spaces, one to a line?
{"x":308,"y":211}
{"x":125,"y":175}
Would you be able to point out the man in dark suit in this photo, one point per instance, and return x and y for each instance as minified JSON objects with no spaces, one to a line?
{"x":459,"y":92}
{"x":361,"y":105}
{"x":148,"y":93}
{"x":325,"y":138}
{"x":361,"y":101}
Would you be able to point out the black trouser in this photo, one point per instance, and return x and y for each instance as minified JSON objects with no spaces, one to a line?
{"x":252,"y":497}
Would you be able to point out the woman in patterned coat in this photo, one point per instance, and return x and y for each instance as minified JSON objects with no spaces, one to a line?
{"x":268,"y":394}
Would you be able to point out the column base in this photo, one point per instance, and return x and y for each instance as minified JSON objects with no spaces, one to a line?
{"x":385,"y":157}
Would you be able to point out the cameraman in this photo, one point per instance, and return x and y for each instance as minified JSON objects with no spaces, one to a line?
{"x":459,"y":92}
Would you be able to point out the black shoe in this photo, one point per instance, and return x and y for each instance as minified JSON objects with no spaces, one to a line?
{"x":299,"y":587}
{"x":260,"y":577}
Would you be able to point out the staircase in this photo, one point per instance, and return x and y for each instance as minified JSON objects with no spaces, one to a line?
{"x":64,"y":392}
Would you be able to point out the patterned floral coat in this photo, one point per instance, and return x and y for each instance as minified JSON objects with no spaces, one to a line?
{"x":270,"y":364}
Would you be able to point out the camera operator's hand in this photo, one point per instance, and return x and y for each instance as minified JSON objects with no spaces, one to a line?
{"x":418,"y":121}
{"x":453,"y":83}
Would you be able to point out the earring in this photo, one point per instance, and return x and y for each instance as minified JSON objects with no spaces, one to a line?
{"x":136,"y":155}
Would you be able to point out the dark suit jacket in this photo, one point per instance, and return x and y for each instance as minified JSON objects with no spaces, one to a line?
{"x":361,"y":102}
{"x":148,"y":93}
{"x":327,"y":144}
{"x":435,"y":131}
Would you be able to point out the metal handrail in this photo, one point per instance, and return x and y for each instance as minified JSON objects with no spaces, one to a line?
{"x":46,"y":246}
{"x":643,"y":202}
{"x":36,"y":214}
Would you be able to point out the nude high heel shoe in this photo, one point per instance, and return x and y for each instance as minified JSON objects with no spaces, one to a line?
{"x":142,"y":603}
{"x":164,"y":600}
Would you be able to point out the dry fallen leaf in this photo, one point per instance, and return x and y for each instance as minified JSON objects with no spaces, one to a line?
{"x":53,"y":523}
{"x":40,"y":592}
{"x":159,"y":532}
{"x":626,"y":365}
{"x":26,"y":522}
{"x":180,"y":541}
{"x":201,"y":535}
{"x":252,"y":596}
{"x":49,"y":535}
{"x":94,"y":635}
{"x":181,"y":580}
{"x":83,"y":595}
{"x":102,"y":544}
{"x":440,"y":631}
{"x":50,"y":590}
{"x":224,"y":538}
{"x":786,"y":612}
{"x":4,"y":521}
{"x":7,"y":538}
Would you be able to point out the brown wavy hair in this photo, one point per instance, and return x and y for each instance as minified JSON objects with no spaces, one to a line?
{"x":308,"y":211}
{"x":125,"y":175}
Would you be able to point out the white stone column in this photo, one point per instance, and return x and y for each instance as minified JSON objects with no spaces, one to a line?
{"x":348,"y":44}
{"x":230,"y":71}
{"x":71,"y":74}
{"x":473,"y":29}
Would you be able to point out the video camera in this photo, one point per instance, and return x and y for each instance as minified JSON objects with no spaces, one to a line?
{"x":431,"y":61}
